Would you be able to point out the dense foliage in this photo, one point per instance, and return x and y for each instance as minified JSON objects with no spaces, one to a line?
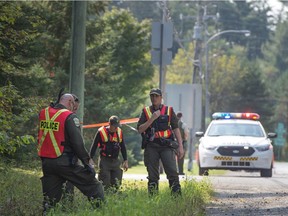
{"x":247,"y":73}
{"x":113,"y":68}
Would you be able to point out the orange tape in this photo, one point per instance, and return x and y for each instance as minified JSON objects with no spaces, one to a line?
{"x":124,"y":121}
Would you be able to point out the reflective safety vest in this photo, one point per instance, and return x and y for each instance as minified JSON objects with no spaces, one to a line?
{"x":165,"y":110}
{"x":110,"y":144}
{"x":52,"y":132}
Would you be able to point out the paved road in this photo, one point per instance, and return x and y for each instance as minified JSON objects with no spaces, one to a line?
{"x":143,"y":177}
{"x":280,"y":169}
{"x":243,"y":193}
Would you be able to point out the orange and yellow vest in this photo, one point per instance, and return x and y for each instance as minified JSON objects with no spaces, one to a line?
{"x":108,"y":148}
{"x":165,"y":110}
{"x":52,"y":132}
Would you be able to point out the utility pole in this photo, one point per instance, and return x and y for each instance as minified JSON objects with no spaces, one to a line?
{"x":161,"y":42}
{"x":196,"y":83}
{"x":78,"y":49}
{"x":197,"y":36}
{"x":162,"y":68}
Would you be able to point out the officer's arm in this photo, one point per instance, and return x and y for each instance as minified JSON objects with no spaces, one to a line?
{"x":174,"y":125}
{"x":96,"y":140}
{"x":123,"y":149}
{"x":186,"y":131}
{"x":143,"y":127}
{"x":75,"y":140}
{"x":125,"y":165}
{"x":180,"y":142}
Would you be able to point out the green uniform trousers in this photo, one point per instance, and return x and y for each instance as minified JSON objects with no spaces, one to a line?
{"x":110,"y":172}
{"x":152,"y":154}
{"x":59,"y":170}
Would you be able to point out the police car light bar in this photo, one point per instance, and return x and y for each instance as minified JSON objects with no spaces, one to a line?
{"x":222,"y":115}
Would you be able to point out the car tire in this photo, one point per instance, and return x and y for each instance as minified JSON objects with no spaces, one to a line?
{"x":203,"y":172}
{"x":266,"y":172}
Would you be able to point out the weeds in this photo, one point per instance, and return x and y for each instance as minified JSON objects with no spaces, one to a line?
{"x":21,"y":194}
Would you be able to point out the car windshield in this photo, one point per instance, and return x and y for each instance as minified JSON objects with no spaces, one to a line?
{"x":233,"y":129}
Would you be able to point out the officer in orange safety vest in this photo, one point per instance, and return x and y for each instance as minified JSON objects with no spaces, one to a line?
{"x":59,"y":141}
{"x":110,"y":141}
{"x":158,"y":125}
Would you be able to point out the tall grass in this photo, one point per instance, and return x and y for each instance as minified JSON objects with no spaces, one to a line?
{"x":21,"y":194}
{"x":20,"y":191}
{"x":134,"y":200}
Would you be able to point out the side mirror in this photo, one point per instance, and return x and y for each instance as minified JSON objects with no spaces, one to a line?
{"x":272,"y":135}
{"x":199,"y":134}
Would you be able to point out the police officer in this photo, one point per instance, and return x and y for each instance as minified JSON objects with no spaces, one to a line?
{"x":59,"y":141}
{"x":69,"y":187}
{"x":110,"y":141}
{"x":184,"y":134}
{"x":158,"y":124}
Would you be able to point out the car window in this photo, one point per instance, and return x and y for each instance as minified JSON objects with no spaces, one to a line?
{"x":234,"y":129}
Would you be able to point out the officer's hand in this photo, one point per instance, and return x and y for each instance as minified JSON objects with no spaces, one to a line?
{"x":90,"y":169}
{"x":91,"y":162}
{"x":125,"y":165}
{"x":156,"y":114}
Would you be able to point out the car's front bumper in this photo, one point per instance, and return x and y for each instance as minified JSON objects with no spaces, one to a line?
{"x":213,"y":160}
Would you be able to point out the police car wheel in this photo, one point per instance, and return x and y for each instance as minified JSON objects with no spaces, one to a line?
{"x":266,"y":172}
{"x":203,"y":172}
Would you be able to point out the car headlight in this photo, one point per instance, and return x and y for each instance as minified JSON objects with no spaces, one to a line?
{"x":209,"y":147}
{"x":263,"y":148}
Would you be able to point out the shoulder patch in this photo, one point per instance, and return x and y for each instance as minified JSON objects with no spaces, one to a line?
{"x":76,"y":121}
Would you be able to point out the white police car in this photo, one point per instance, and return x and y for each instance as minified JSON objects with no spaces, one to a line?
{"x":236,"y":141}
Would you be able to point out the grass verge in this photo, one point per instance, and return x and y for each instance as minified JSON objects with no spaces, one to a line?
{"x":21,"y":194}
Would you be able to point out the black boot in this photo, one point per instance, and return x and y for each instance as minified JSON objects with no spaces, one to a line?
{"x":152,"y":188}
{"x":46,"y":208}
{"x":175,"y":188}
{"x":96,"y":202}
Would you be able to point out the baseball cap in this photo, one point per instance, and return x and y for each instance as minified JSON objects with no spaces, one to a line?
{"x":114,"y":121}
{"x":156,"y":91}
{"x":179,"y":114}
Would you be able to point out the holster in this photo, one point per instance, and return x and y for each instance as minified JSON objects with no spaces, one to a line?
{"x":145,"y":139}
{"x":170,"y":143}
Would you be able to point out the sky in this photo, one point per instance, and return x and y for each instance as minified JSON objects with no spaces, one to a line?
{"x":276,"y":5}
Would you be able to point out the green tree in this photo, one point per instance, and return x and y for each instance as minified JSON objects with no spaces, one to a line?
{"x":118,"y":68}
{"x":15,"y":114}
{"x":225,"y":72}
{"x":27,"y":38}
{"x":21,"y":79}
{"x":18,"y":30}
{"x":118,"y":71}
{"x":252,"y":94}
{"x":253,"y":16}
{"x":181,"y":69}
{"x":280,"y":51}
{"x":141,"y":10}
{"x":274,"y":67}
